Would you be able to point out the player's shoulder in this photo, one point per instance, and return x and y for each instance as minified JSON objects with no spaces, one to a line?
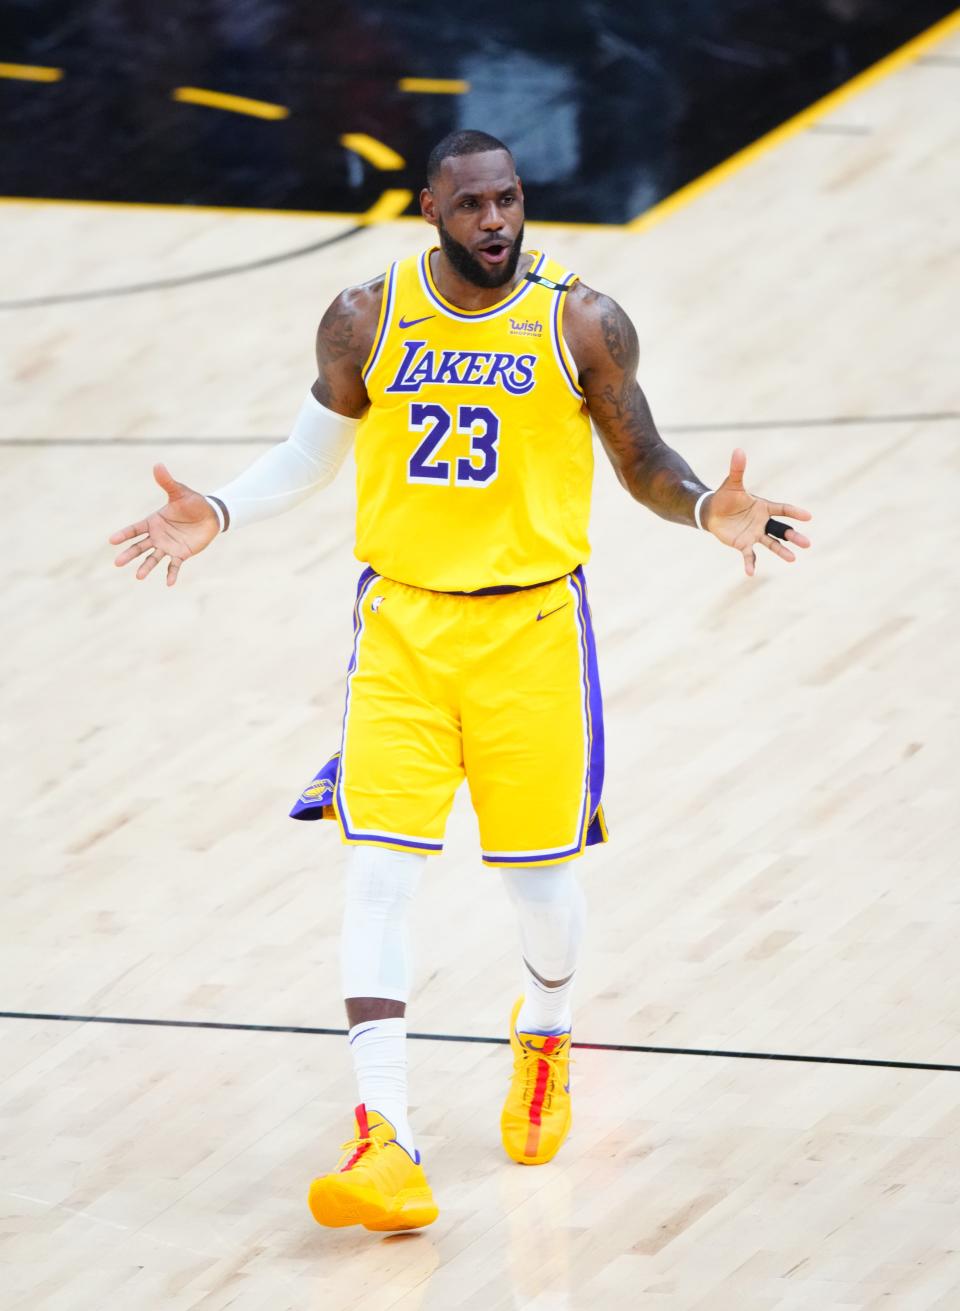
{"x":588,"y":304}
{"x":349,"y":322}
{"x":594,"y":320}
{"x":360,"y":299}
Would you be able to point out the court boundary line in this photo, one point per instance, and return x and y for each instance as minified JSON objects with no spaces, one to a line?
{"x":901,"y":57}
{"x":181,"y":280}
{"x":641,"y":1048}
{"x":910,"y":52}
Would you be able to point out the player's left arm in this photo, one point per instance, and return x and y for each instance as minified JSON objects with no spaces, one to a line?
{"x":605,"y":348}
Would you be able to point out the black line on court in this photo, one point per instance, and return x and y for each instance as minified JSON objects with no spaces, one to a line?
{"x":165,"y":284}
{"x":832,"y":421}
{"x":472,"y":1038}
{"x":733,"y":425}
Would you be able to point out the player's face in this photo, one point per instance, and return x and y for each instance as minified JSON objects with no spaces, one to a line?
{"x":476,"y":204}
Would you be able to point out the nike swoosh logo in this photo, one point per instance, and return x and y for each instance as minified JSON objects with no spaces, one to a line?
{"x":412,"y":323}
{"x":541,"y":615}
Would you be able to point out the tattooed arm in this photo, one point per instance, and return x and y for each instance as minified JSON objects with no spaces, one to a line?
{"x":344,"y":340}
{"x":604,"y":345}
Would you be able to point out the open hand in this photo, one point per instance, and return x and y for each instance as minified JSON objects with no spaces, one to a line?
{"x":183,"y":527}
{"x":739,"y":520}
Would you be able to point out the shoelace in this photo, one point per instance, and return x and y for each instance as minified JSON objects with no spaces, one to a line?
{"x":531,"y":1072}
{"x":357,"y":1148}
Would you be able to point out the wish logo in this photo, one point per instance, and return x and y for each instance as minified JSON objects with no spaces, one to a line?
{"x":422,"y":367}
{"x":525,"y":327}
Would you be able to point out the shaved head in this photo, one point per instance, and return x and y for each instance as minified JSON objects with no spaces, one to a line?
{"x":456,"y":144}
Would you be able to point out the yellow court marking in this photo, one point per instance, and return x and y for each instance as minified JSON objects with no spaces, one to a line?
{"x":434,"y":86}
{"x":386,"y":207}
{"x":906,"y":54}
{"x":194,"y":95}
{"x":31,"y":72}
{"x":372,"y":150}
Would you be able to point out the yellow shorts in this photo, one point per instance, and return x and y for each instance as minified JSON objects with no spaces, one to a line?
{"x":501,"y":690}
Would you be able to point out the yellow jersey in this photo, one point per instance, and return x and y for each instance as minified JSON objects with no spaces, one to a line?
{"x":475,"y":458}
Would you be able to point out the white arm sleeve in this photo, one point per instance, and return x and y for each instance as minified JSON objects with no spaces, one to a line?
{"x":290,"y":472}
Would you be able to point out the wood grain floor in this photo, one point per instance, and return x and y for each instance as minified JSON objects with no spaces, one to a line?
{"x":782,"y":783}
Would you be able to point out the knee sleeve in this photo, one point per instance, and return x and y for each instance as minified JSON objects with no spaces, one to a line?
{"x":551,"y":909}
{"x":375,"y":955}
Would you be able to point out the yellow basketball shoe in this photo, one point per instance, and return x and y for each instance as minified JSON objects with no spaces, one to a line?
{"x":536,"y":1115}
{"x":378,"y":1184}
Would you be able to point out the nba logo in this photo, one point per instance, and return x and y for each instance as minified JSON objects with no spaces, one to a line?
{"x":375,"y":604}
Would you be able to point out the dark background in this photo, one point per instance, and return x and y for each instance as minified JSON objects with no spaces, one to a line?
{"x":608,"y":106}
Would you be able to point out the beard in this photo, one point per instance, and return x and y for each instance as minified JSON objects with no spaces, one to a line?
{"x":471,"y":269}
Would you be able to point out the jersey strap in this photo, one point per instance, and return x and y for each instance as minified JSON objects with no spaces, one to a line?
{"x":547,"y":282}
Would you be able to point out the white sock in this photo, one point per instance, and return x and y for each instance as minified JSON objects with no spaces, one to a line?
{"x":551,"y":911}
{"x":379,"y":1051}
{"x":545,"y":1010}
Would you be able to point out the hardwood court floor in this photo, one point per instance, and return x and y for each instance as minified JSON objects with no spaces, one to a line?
{"x":782,"y":784}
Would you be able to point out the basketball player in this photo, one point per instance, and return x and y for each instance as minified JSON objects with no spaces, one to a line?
{"x":466,"y":379}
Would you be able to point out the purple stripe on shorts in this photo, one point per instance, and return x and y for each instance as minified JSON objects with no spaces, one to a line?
{"x":593,"y":783}
{"x":363,"y":586}
{"x":362,"y":581}
{"x":365,"y":580}
{"x":597,"y":755}
{"x":387,"y":839}
{"x":531,"y":857}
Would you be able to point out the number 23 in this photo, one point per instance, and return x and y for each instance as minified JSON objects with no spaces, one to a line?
{"x":476,"y":421}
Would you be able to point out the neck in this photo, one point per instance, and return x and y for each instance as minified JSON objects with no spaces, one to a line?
{"x":467,"y":295}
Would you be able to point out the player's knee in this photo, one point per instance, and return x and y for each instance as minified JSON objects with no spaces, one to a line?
{"x":381,"y":881}
{"x":542,"y":885}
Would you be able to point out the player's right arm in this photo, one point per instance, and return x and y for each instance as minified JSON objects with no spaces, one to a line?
{"x":286,"y":474}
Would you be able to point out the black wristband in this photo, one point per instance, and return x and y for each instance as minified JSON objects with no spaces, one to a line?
{"x":226,"y":513}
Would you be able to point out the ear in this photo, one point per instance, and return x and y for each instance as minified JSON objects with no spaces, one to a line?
{"x":428,"y":206}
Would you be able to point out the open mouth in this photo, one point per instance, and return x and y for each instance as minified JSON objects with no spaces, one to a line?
{"x":495,"y":253}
